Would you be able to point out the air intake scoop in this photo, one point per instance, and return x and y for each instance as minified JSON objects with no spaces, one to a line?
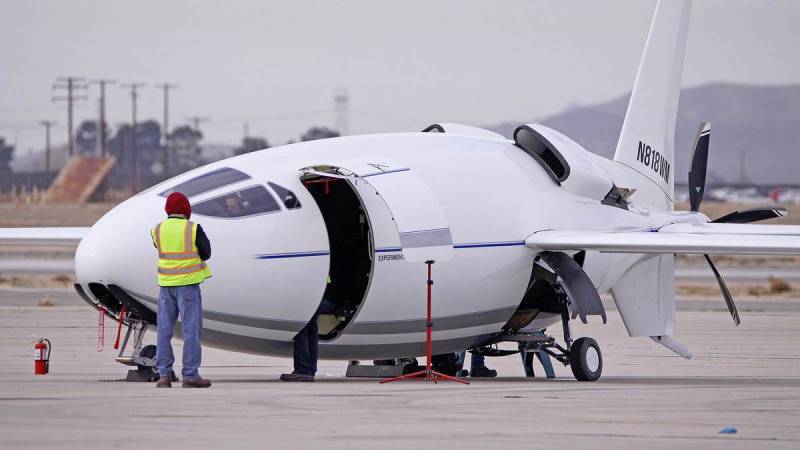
{"x":567,"y":163}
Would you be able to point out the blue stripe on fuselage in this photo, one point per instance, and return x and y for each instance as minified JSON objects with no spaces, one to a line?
{"x":291,"y":255}
{"x":390,"y":249}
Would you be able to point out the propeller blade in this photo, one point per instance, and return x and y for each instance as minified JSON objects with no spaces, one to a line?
{"x":697,"y":172}
{"x":751,"y":215}
{"x":726,"y":294}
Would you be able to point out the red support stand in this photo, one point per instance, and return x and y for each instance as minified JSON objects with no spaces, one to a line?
{"x":427,"y":374}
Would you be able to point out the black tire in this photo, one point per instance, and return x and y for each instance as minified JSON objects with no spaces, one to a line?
{"x":585,"y":359}
{"x":148,"y":351}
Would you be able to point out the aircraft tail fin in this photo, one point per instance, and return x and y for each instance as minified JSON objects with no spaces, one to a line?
{"x":646,"y":142}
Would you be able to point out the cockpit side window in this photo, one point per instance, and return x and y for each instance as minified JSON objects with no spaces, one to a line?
{"x":207,"y":181}
{"x":290,"y":201}
{"x":242,"y":203}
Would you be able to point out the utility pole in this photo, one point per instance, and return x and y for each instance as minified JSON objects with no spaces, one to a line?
{"x":196,"y":121}
{"x":47,"y":124}
{"x":246,"y":131}
{"x":71,"y":84}
{"x":134,"y":159}
{"x":341,"y":103}
{"x":742,"y":168}
{"x":102,"y":122}
{"x":165,"y":127}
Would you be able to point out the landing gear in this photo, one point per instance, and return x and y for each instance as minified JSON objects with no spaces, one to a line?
{"x":144,"y":358}
{"x":585,"y":359}
{"x":583,"y":355}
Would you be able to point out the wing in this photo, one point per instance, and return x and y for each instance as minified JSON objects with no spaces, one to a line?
{"x":711,"y":238}
{"x":42,"y":235}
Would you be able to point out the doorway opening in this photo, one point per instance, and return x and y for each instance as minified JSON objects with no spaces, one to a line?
{"x":350,"y":242}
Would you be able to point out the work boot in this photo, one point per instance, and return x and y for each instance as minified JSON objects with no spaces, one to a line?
{"x":164,"y":382}
{"x":196,"y":383}
{"x":482,"y":372}
{"x":297,"y":377}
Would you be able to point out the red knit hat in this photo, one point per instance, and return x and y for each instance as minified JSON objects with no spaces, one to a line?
{"x":177,"y":203}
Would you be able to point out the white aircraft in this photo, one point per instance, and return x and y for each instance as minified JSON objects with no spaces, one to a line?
{"x":525,"y":233}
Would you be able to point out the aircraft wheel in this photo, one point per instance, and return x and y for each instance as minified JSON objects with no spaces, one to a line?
{"x":585,"y":359}
{"x":148,"y":351}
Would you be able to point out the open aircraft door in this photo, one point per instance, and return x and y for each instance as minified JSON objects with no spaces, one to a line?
{"x":420,"y":221}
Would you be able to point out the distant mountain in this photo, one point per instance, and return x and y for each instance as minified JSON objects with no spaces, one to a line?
{"x":757,"y":125}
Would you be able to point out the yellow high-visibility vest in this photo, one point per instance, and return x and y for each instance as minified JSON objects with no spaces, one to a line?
{"x":179,"y":263}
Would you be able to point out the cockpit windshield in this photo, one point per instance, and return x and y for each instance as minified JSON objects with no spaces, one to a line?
{"x":207,"y":182}
{"x":245,"y":202}
{"x":288,"y":198}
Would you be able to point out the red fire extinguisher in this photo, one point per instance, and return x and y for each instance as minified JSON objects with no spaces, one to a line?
{"x":41,"y":357}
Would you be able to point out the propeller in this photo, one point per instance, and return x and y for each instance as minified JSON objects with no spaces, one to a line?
{"x":697,"y":172}
{"x":697,"y":186}
{"x":726,"y":294}
{"x":751,"y":215}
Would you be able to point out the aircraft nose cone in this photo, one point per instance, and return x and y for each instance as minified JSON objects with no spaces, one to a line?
{"x":118,"y":249}
{"x":92,"y":257}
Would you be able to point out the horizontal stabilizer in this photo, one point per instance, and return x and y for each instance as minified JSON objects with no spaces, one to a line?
{"x":43,"y":235}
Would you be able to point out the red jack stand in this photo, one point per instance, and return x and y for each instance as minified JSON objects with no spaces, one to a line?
{"x":427,"y":374}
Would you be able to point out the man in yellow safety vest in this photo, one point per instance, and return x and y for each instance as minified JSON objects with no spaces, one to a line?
{"x":183,"y":249}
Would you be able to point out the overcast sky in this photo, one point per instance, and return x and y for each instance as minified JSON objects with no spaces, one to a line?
{"x":405,"y":64}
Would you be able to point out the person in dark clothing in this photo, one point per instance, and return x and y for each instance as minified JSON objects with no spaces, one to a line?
{"x":478,"y":367}
{"x":203,"y":244}
{"x":306,"y":344}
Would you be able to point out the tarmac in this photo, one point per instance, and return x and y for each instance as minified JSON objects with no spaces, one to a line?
{"x":745,"y":377}
{"x":686,"y":273}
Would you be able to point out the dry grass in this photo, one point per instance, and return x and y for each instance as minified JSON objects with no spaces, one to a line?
{"x":778,"y":285}
{"x":41,"y":215}
{"x":47,"y":301}
{"x":718,"y":209}
{"x":63,"y":279}
{"x":36,"y":281}
{"x":739,"y":261}
{"x":773,"y":288}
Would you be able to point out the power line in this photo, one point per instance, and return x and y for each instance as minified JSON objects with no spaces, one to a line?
{"x":71,"y":84}
{"x":102,"y":122}
{"x":341,"y":103}
{"x":47,"y":124}
{"x":165,"y":128}
{"x":134,"y":158}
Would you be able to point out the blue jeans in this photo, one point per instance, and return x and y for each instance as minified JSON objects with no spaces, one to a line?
{"x":306,"y":343}
{"x":186,"y":302}
{"x":476,"y":361}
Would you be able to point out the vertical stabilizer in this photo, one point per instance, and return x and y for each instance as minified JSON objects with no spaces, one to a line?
{"x":646,"y":143}
{"x":645,"y":297}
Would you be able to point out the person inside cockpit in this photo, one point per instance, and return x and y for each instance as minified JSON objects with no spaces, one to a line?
{"x":233,"y":203}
